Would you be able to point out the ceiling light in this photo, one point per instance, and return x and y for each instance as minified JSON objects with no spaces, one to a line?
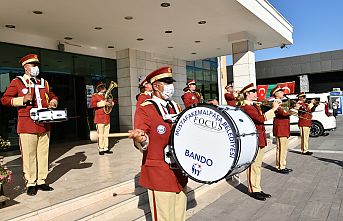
{"x":128,"y":17}
{"x":168,"y":32}
{"x":10,"y":26}
{"x":202,"y":22}
{"x":37,"y":12}
{"x":110,"y":46}
{"x":170,"y":47}
{"x":165,"y":4}
{"x":140,"y":39}
{"x":97,"y":28}
{"x":68,"y":38}
{"x":197,"y":41}
{"x":194,"y":53}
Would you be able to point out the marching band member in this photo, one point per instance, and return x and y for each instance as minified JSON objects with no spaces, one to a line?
{"x":27,"y":92}
{"x":230,"y":95}
{"x":166,"y":186}
{"x":145,"y":92}
{"x":281,"y":131}
{"x":191,"y":96}
{"x":305,"y":121}
{"x":255,"y":113}
{"x":101,"y":119}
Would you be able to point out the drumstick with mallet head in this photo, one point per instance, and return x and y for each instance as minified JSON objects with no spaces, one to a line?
{"x":93,"y":135}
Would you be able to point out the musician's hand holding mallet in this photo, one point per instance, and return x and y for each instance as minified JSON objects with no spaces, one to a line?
{"x":52,"y":104}
{"x":138,"y":135}
{"x":27,"y":98}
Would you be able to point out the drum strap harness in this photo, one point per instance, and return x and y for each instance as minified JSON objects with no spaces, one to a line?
{"x":162,"y":109}
{"x":32,"y":84}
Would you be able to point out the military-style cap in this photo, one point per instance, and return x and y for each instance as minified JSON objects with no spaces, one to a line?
{"x":275,"y":89}
{"x":99,"y":84}
{"x":143,"y":83}
{"x":229,"y":85}
{"x":248,"y":88}
{"x":302,"y":94}
{"x":189,"y":82}
{"x":162,"y":74}
{"x":30,"y":58}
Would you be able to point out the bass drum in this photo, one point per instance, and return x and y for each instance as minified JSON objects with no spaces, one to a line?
{"x":209,"y":143}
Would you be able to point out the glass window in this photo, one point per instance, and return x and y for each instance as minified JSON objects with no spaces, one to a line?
{"x":206,"y":65}
{"x":109,"y":68}
{"x":11,"y":54}
{"x":205,"y":74}
{"x":56,"y":62}
{"x":87,"y":65}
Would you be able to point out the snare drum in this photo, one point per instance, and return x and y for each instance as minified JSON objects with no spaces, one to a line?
{"x":209,"y":143}
{"x":44,"y":115}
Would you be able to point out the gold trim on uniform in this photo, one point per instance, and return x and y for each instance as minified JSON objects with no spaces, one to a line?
{"x":30,"y":61}
{"x":160,"y":76}
{"x":145,"y":103}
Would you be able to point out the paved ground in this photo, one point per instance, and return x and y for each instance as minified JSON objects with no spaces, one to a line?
{"x":75,"y":169}
{"x":313,"y":191}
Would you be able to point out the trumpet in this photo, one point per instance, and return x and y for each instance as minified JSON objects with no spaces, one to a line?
{"x":286,"y":104}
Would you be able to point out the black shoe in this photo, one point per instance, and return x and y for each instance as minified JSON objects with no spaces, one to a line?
{"x":31,"y":190}
{"x":101,"y":153}
{"x":44,"y":187}
{"x":308,"y":153}
{"x":289,"y":169}
{"x":266,"y":195}
{"x":108,"y":151}
{"x":284,"y":171}
{"x":258,"y":196}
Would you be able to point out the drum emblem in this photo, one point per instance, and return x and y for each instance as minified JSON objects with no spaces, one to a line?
{"x":161,"y":129}
{"x":196,"y":169}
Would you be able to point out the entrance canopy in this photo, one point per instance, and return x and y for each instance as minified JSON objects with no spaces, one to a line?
{"x":188,"y":30}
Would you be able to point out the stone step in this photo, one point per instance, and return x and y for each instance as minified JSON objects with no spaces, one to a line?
{"x":124,"y":201}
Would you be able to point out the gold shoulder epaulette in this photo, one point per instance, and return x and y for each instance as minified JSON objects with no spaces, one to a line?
{"x":145,"y":103}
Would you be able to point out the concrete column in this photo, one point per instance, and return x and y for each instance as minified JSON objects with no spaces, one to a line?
{"x":132,"y":67}
{"x":243,"y":63}
{"x":222,"y":78}
{"x":304,"y":83}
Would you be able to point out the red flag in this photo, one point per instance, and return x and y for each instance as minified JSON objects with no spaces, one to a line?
{"x":288,"y":87}
{"x":262,"y":91}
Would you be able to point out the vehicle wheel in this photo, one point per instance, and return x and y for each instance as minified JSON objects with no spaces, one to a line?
{"x":316,"y":129}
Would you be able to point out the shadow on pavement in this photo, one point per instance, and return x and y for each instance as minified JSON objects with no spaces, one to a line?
{"x":76,"y":161}
{"x":242,"y":188}
{"x":338,"y":162}
{"x":269,"y":167}
{"x":295,"y":151}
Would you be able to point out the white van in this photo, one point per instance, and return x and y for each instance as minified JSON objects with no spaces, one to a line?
{"x":322,"y":119}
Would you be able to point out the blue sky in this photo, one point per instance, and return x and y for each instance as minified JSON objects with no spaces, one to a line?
{"x":317,"y":27}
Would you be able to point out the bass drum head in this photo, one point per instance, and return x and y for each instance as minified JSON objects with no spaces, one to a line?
{"x":204,"y":143}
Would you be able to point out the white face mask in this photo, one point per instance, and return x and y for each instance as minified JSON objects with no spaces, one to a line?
{"x":34,"y":71}
{"x":168,"y":91}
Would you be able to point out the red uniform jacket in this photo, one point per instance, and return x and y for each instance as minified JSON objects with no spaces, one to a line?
{"x":255,"y":113}
{"x":99,"y":116}
{"x":189,"y":98}
{"x":18,"y":89}
{"x":142,"y":97}
{"x":305,"y":116}
{"x":281,"y":124}
{"x":230,"y":99}
{"x":155,"y":172}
